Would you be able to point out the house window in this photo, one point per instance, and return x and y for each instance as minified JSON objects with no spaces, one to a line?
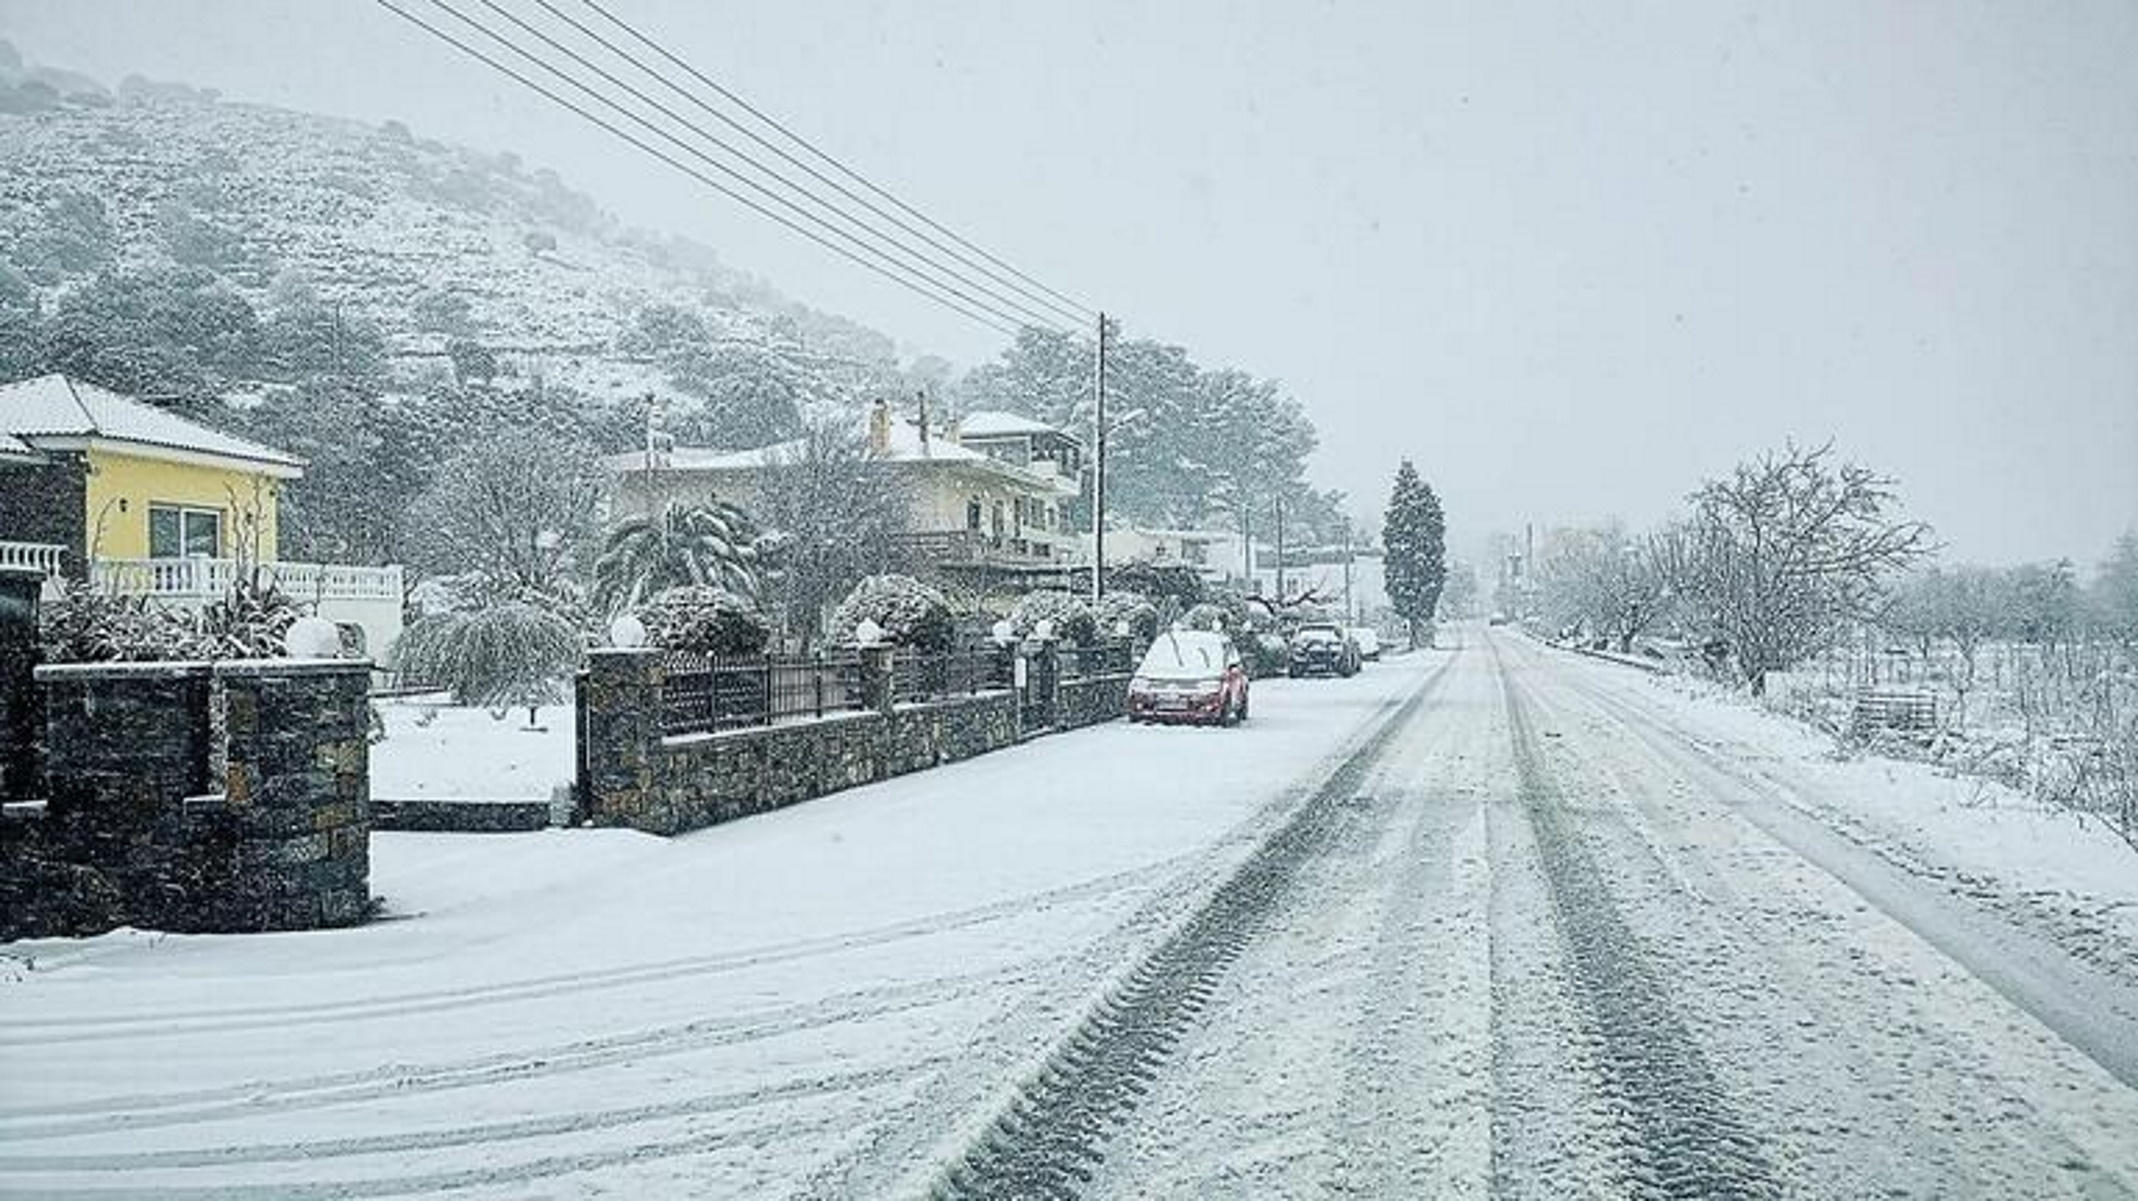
{"x":176,"y":532}
{"x":972,"y":514}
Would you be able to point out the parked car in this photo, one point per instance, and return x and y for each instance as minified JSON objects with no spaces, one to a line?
{"x":1498,"y":619}
{"x":1368,"y":640}
{"x":1322,"y":649}
{"x":1189,"y":676}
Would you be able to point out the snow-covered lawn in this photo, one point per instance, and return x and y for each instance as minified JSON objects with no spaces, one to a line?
{"x":435,"y":751}
{"x":724,"y":1013}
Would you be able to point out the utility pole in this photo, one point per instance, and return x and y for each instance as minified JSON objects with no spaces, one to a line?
{"x":1098,"y":471}
{"x":1347,"y":572}
{"x":1280,"y":550}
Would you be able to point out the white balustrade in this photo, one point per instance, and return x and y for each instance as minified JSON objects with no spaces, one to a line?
{"x":35,"y":556}
{"x":209,"y":578}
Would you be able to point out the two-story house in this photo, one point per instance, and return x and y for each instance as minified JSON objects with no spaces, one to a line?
{"x":140,"y":501}
{"x":989,"y":497}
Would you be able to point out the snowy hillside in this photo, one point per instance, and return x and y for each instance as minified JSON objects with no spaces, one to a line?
{"x":428,"y":241}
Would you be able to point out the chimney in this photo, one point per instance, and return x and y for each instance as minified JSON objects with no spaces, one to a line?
{"x":880,"y":428}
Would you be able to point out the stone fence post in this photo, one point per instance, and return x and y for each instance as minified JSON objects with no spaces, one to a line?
{"x":295,"y":822}
{"x":879,"y":678}
{"x":20,"y":778}
{"x":622,"y":734}
{"x":126,"y":744}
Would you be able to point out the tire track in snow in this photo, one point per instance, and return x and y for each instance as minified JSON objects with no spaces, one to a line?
{"x":48,"y":1032}
{"x":466,"y":1136}
{"x":1682,"y":1137}
{"x":520,"y":1064}
{"x":1043,"y":1143}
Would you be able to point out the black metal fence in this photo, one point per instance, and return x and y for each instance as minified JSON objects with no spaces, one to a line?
{"x":1107,"y":658}
{"x":918,"y":676}
{"x":703,"y":693}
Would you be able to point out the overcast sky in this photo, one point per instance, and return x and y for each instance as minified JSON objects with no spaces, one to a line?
{"x":1570,"y":258}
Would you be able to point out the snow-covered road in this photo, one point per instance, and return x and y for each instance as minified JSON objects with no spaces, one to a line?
{"x":1495,"y":921}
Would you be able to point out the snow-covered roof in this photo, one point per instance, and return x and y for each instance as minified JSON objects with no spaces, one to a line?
{"x":56,"y":407}
{"x":15,"y":450}
{"x":993,"y":423}
{"x":905,"y":446}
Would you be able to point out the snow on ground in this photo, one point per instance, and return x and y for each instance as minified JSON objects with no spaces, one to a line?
{"x":724,"y":1013}
{"x":436,"y":751}
{"x":1981,"y":838}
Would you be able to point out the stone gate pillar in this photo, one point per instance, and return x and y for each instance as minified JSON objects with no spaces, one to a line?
{"x":295,"y":818}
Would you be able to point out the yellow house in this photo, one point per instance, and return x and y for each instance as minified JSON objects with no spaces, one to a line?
{"x":140,"y":500}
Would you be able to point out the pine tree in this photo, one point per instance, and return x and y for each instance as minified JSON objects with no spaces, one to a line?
{"x":1415,"y":536}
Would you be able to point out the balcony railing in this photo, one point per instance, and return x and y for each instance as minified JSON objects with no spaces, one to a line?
{"x":1030,"y":548}
{"x":34,"y":556}
{"x":213,"y":577}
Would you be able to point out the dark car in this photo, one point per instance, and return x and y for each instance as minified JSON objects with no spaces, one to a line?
{"x":1322,"y":650}
{"x":1190,"y":676}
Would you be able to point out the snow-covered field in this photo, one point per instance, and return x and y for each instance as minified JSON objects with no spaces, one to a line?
{"x":729,"y":1013}
{"x":435,"y":751}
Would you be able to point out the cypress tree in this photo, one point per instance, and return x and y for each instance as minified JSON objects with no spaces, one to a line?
{"x":1415,"y":537}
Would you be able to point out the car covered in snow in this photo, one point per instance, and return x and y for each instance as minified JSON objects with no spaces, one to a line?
{"x":1321,"y":649}
{"x":1189,"y":676}
{"x":1368,"y":640}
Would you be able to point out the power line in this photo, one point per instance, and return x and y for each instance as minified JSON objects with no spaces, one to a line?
{"x":918,"y":261}
{"x":1000,"y":272}
{"x":982,"y":314}
{"x":1081,"y":310}
{"x":728,"y":171}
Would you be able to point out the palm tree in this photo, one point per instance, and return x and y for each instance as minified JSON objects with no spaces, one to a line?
{"x":685,"y":543}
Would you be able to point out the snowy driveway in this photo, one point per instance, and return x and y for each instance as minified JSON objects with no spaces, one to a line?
{"x":1496,"y":922}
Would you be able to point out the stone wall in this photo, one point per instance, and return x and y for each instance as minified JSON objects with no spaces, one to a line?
{"x":21,"y":766}
{"x":137,"y":827}
{"x":48,"y":502}
{"x":633,"y":776}
{"x":462,"y":817}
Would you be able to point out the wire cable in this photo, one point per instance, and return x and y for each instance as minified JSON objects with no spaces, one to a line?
{"x":1001,"y":273}
{"x":1084,"y":311}
{"x":988,"y":317}
{"x":918,"y":261}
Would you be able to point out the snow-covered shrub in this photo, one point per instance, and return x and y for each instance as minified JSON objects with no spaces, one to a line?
{"x":1072,"y":618}
{"x":504,"y":656}
{"x":908,"y":612}
{"x":705,"y":620}
{"x":248,"y":622}
{"x":1131,"y":607}
{"x":82,"y":625}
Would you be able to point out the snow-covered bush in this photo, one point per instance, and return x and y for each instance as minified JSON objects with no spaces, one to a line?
{"x":1072,"y":618}
{"x":705,"y":620}
{"x":82,"y":625}
{"x":908,"y":612}
{"x":501,"y":657}
{"x":1131,"y":607}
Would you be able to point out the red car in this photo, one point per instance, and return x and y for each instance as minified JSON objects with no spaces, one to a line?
{"x":1190,"y":676}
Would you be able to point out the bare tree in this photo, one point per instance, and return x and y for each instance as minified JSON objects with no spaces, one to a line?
{"x":835,"y":516}
{"x":1606,"y":580}
{"x":1787,"y":548}
{"x":516,"y":508}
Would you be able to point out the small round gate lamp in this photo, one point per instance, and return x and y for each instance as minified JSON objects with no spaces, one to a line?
{"x":312,"y":637}
{"x":868,"y":633}
{"x":627,"y":632}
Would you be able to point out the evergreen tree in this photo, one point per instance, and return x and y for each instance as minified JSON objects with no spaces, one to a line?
{"x":1415,"y":536}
